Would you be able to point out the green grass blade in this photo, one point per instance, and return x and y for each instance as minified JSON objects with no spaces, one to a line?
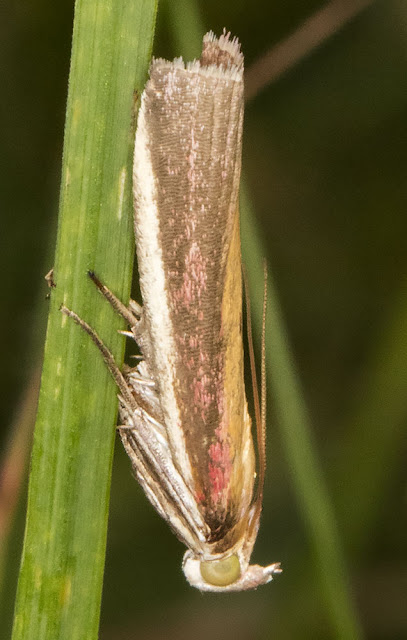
{"x":61,"y":574}
{"x":309,"y":483}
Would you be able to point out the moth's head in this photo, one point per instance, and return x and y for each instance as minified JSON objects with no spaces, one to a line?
{"x":225,"y":573}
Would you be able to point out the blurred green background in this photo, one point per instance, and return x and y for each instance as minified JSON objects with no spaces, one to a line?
{"x":325,"y":156}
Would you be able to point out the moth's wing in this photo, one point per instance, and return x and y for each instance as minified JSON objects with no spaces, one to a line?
{"x":186,"y":177}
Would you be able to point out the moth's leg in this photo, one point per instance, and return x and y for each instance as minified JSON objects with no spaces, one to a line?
{"x":135,"y":307}
{"x":120,"y":380}
{"x":133,"y":315}
{"x":158,"y":494}
{"x":148,"y":449}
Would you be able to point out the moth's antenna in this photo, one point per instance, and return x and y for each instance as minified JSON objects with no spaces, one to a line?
{"x":259,"y":405}
{"x":263,"y":376}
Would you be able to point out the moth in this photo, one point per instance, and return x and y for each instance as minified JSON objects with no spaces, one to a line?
{"x":184,"y":417}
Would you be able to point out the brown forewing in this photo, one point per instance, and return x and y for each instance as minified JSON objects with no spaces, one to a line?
{"x":194,"y":123}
